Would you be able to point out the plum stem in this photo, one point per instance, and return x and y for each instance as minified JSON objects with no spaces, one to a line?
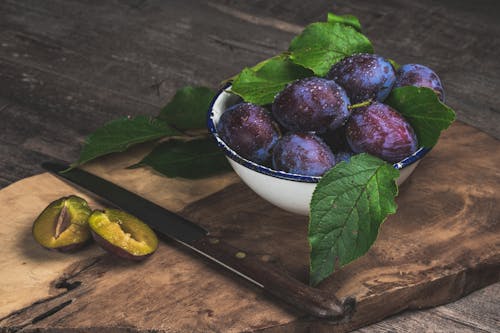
{"x":359,"y":105}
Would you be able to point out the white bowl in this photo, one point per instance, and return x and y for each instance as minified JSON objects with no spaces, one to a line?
{"x":291,"y":192}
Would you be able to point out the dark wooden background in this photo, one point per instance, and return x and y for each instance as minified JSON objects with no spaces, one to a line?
{"x":68,"y":66}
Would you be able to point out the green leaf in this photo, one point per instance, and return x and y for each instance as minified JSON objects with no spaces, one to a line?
{"x":188,"y":159}
{"x":347,"y":208}
{"x":345,"y":19}
{"x":422,"y":108}
{"x":120,"y":134}
{"x":188,"y":108}
{"x":261,"y":83}
{"x":323,"y":44}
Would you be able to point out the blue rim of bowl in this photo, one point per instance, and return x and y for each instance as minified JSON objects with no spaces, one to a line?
{"x":417,"y":155}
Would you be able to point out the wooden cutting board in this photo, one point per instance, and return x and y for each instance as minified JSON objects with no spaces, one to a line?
{"x":442,"y":244}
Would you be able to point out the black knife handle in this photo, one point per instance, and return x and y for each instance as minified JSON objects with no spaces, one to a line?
{"x":261,"y":272}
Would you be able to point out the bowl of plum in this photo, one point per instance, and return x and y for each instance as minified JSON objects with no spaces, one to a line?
{"x":281,"y":150}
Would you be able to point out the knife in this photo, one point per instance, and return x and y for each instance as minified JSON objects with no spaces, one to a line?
{"x":310,"y":300}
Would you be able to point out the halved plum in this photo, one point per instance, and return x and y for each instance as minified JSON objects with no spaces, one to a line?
{"x":63,"y":225}
{"x":122,"y":234}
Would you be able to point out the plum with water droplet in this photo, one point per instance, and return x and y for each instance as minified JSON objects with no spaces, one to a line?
{"x":249,"y":130}
{"x":364,"y":76}
{"x":302,"y":153}
{"x":311,"y":104}
{"x":381,"y":131}
{"x":419,"y":76}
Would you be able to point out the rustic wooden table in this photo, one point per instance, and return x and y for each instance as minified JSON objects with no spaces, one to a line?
{"x":66,"y":67}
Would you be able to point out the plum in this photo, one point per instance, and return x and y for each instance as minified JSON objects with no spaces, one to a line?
{"x":381,"y":131}
{"x":122,"y":234}
{"x":249,"y":130}
{"x":63,"y":225}
{"x":343,"y":156}
{"x":302,"y":153}
{"x":311,"y":104}
{"x":419,"y":76}
{"x":364,"y":76}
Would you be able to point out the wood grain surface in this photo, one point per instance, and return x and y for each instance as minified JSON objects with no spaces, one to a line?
{"x":66,"y":67}
{"x":441,"y":244}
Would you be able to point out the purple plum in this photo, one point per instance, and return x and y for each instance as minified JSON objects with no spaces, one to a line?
{"x":419,"y":76}
{"x":364,"y":76}
{"x":381,"y":131}
{"x":302,"y":153}
{"x":249,"y":130}
{"x":311,"y":104}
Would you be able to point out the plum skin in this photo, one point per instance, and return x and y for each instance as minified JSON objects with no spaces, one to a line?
{"x":116,"y":250}
{"x":419,"y":76}
{"x":381,"y":131}
{"x":303,"y":154}
{"x":311,"y":104}
{"x":249,"y":130}
{"x":364,"y":76}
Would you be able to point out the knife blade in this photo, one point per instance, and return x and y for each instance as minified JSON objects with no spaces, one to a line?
{"x":257,"y":270}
